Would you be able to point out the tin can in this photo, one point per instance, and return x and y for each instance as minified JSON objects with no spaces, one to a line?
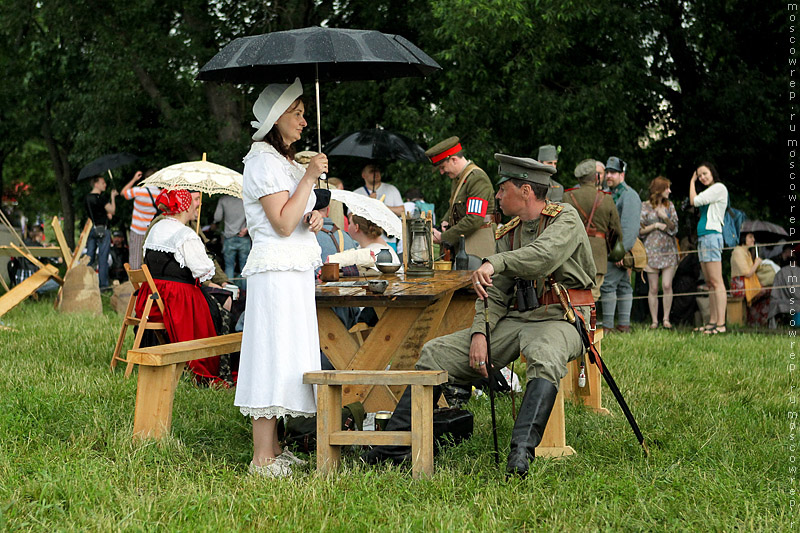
{"x":381,"y":419}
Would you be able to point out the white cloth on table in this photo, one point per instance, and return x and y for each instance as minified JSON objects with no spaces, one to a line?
{"x":172,"y":236}
{"x":267,"y":172}
{"x":279,"y":344}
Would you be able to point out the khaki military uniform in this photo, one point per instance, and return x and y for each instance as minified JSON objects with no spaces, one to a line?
{"x":605,"y":218}
{"x":546,"y":339}
{"x":555,"y":191}
{"x":476,"y":184}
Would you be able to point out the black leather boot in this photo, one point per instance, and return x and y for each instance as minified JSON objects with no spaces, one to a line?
{"x":540,"y":395}
{"x":400,"y":421}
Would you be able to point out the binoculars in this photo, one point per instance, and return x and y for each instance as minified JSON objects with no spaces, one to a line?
{"x":526,"y":295}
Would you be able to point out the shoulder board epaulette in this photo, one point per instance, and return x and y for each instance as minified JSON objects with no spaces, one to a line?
{"x":513,"y":223}
{"x":572,"y":189}
{"x":552,"y":210}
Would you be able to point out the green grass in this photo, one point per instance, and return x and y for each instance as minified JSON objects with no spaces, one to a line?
{"x":714,"y":410}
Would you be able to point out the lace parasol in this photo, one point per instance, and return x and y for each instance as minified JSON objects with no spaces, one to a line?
{"x":373,"y":210}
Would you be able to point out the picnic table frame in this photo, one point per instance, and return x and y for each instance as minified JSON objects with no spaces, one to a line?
{"x":412,"y":311}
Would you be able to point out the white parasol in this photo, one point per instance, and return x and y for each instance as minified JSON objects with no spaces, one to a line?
{"x":371,"y":209}
{"x":198,"y":176}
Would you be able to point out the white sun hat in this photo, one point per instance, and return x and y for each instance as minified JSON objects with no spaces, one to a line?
{"x":271,"y":104}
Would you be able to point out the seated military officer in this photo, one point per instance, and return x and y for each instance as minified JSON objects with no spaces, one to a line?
{"x":545,"y":244}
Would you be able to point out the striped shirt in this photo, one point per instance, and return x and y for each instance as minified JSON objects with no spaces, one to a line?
{"x":143,"y":208}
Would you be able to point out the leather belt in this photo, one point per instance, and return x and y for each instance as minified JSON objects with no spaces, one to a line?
{"x":578,"y":297}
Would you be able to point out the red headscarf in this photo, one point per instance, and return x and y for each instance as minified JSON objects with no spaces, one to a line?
{"x":174,"y":202}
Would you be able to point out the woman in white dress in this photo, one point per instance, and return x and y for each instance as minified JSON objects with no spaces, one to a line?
{"x":280,"y":340}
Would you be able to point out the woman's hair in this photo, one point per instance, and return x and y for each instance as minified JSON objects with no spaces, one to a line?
{"x":657,"y":187}
{"x":367,"y":227}
{"x":710,"y":166}
{"x":274,"y":137}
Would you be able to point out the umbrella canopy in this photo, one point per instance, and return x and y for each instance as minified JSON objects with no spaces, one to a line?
{"x":371,"y":209}
{"x":320,"y":54}
{"x":378,"y":144}
{"x":198,"y":176}
{"x":323,"y":54}
{"x":762,"y":227}
{"x":105,"y":163}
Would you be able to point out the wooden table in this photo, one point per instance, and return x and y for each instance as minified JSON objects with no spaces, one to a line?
{"x":412,"y":311}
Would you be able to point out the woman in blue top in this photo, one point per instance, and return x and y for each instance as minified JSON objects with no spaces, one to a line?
{"x":712,"y":201}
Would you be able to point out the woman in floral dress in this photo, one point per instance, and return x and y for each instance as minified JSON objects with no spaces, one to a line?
{"x":659,"y":225}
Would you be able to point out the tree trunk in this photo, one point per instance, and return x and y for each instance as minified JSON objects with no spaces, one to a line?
{"x":223,"y":104}
{"x":58,"y":158}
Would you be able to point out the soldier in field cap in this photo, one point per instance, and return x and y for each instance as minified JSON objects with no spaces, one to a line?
{"x":616,"y":291}
{"x":598,"y":205}
{"x":548,"y":155}
{"x":544,"y":244}
{"x":471,"y":208}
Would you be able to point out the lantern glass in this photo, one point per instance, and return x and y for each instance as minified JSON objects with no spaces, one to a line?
{"x":420,"y":253}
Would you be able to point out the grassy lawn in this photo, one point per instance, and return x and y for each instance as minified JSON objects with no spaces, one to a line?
{"x":714,"y":410}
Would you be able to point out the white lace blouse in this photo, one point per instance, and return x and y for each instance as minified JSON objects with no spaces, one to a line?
{"x":267,"y":172}
{"x":172,"y":236}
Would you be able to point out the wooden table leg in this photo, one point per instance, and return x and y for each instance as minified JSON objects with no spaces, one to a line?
{"x":421,"y":431}
{"x":329,"y":419}
{"x":554,"y":440}
{"x":155,"y":394}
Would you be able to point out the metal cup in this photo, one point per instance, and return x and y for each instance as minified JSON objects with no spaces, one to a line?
{"x":381,"y":419}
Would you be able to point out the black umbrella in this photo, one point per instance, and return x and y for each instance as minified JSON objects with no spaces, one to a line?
{"x":106,"y":163}
{"x":764,"y":232}
{"x":321,"y":54}
{"x":378,"y":144}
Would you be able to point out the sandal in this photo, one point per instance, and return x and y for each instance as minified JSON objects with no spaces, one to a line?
{"x":654,"y":325}
{"x":667,"y":324}
{"x":703,"y":329}
{"x":718,"y":328}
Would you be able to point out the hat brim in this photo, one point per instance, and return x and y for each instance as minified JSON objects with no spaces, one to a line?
{"x":289,"y":95}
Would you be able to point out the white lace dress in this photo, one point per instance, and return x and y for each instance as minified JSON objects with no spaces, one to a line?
{"x":280,"y":340}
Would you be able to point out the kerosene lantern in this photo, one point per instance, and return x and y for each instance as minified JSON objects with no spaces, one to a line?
{"x":418,"y":245}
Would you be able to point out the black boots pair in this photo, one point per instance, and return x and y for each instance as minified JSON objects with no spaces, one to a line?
{"x":534,"y":412}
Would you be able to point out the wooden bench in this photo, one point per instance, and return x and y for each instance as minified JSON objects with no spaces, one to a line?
{"x":330,"y":436}
{"x":159,"y":370}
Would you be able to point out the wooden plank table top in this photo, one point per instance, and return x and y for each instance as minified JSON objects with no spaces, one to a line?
{"x":402,"y":291}
{"x":412,"y":311}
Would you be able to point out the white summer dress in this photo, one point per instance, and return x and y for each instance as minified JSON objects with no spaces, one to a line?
{"x":280,"y":341}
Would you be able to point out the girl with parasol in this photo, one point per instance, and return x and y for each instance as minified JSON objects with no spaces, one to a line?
{"x":280,"y":340}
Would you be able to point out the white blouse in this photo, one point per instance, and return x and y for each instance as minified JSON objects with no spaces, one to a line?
{"x":172,"y":236}
{"x":267,"y":172}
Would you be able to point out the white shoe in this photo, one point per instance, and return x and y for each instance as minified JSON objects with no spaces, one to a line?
{"x":275,"y":469}
{"x":290,"y":459}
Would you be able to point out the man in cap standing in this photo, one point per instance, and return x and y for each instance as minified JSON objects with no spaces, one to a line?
{"x":543,"y":245}
{"x":548,"y":155}
{"x":597,"y":205}
{"x":616,"y":291}
{"x":471,"y":200}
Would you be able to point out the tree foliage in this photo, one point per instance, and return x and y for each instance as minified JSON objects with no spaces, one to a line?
{"x":661,"y":84}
